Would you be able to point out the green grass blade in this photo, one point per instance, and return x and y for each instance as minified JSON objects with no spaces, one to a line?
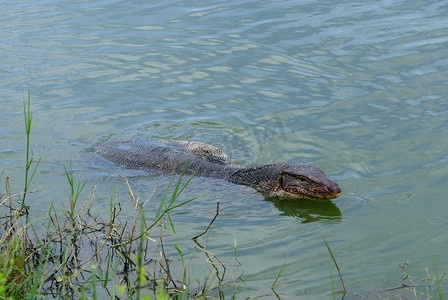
{"x":336,"y":264}
{"x":279,"y":274}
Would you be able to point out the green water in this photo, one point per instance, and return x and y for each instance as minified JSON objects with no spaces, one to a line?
{"x":357,"y":88}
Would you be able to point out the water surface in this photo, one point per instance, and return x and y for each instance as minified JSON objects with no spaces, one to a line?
{"x":357,"y":88}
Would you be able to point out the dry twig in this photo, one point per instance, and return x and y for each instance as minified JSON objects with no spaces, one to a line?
{"x":209,"y":225}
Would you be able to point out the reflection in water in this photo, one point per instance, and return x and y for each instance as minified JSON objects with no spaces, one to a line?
{"x":308,"y":210}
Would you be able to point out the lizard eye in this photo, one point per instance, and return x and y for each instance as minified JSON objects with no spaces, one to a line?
{"x":288,"y":180}
{"x":303,"y":179}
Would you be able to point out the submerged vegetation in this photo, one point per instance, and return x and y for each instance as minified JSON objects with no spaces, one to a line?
{"x":78,"y":254}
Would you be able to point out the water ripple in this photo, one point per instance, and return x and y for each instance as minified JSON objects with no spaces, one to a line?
{"x":357,"y":88}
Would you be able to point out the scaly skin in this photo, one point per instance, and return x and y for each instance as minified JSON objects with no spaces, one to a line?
{"x":288,"y":181}
{"x":274,"y":180}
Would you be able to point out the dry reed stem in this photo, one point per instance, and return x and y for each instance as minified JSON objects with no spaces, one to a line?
{"x":210,"y":224}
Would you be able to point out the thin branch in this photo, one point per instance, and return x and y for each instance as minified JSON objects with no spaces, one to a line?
{"x":209,"y":225}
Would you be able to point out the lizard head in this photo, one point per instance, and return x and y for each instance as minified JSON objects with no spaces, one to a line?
{"x":301,"y":181}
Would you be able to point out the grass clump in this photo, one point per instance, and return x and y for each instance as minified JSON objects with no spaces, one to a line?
{"x":14,"y":266}
{"x":77,"y":254}
{"x":81,"y":255}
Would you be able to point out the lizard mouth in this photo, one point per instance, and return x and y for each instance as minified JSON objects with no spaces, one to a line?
{"x":334,"y":191}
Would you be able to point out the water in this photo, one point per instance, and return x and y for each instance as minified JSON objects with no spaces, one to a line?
{"x":357,"y":88}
